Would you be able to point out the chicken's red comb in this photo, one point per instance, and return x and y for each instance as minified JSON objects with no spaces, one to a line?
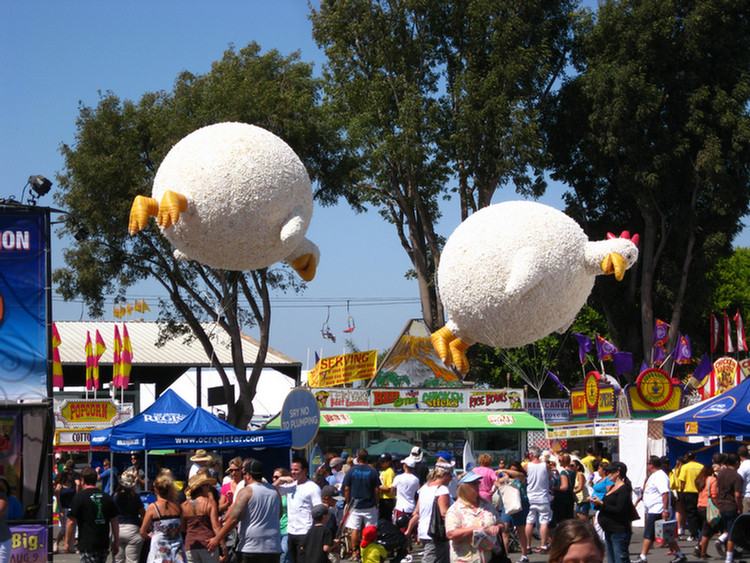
{"x":625,"y":235}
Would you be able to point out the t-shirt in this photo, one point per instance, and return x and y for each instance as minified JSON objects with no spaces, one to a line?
{"x":313,"y":543}
{"x":488,"y":481}
{"x":93,"y":509}
{"x":300,"y":501}
{"x":406,"y":485}
{"x":386,"y":480}
{"x":588,"y":462}
{"x":729,"y":482}
{"x":744,"y":472}
{"x":129,"y":507}
{"x":656,"y":485}
{"x":537,"y":483}
{"x":688,"y":474}
{"x":427,"y":496}
{"x":373,"y":552}
{"x":362,"y":481}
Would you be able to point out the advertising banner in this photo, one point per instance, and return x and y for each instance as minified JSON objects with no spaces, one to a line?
{"x":339,"y":370}
{"x":23,"y":305}
{"x":555,"y":410}
{"x":423,"y":399}
{"x":28,"y":543}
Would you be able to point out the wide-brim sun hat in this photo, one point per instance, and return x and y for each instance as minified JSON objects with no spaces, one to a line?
{"x":197,"y":481}
{"x":128,"y":479}
{"x":201,"y":455}
{"x":416,"y":454}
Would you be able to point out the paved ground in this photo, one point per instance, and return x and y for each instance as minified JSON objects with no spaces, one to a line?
{"x":657,"y":555}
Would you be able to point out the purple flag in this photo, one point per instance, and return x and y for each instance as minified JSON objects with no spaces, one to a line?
{"x":660,"y":354}
{"x":556,"y":379}
{"x":683,"y":353}
{"x":623,"y":362}
{"x":703,"y":369}
{"x":604,"y":348}
{"x":585,"y":345}
{"x":644,"y":366}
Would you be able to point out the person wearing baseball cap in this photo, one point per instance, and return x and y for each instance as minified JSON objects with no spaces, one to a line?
{"x":256,"y":509}
{"x":372,"y":551}
{"x":387,"y":495}
{"x":406,"y":486}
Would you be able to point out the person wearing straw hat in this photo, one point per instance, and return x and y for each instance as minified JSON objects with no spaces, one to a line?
{"x":256,"y":508}
{"x":199,"y":460}
{"x":200,"y":519}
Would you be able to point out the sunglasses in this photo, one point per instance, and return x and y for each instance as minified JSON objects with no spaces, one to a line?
{"x":233,"y":469}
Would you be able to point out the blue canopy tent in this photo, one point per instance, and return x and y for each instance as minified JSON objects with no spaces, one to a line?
{"x":171,"y":423}
{"x":725,"y":415}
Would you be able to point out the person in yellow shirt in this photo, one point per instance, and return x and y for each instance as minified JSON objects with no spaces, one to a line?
{"x":688,"y":474}
{"x":588,"y":461}
{"x":387,"y":493}
{"x":372,"y":552}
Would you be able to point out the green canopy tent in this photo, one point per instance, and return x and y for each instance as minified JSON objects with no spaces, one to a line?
{"x":390,"y":446}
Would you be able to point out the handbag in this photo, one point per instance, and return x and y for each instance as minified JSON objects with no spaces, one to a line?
{"x":511,"y":496}
{"x":582,"y":495}
{"x":437,"y":524}
{"x":713,"y":516}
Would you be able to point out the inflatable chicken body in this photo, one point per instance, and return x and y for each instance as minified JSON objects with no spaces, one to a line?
{"x":515,"y":272}
{"x":233,"y":196}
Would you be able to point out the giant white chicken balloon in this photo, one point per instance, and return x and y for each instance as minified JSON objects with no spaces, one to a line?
{"x":233,"y":196}
{"x":515,"y":272}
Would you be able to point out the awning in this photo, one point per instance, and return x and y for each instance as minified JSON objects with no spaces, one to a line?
{"x":416,"y":420}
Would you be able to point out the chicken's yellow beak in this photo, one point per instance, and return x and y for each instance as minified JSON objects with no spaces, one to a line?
{"x":615,"y":264}
{"x":305,"y":266}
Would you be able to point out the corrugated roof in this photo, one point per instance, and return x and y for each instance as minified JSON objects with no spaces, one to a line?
{"x":180,"y":351}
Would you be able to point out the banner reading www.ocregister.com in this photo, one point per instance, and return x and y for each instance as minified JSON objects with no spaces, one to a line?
{"x":338,"y":370}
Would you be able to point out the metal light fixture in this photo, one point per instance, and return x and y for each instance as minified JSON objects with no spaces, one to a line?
{"x":40,"y":184}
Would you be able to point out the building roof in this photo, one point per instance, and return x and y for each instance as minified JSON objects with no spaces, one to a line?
{"x":152,"y":361}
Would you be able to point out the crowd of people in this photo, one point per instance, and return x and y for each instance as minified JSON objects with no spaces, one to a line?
{"x":366,"y":508}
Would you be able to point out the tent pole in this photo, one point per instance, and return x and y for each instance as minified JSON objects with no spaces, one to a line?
{"x":721,"y":444}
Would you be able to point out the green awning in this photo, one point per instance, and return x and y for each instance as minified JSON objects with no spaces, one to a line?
{"x":420,"y":420}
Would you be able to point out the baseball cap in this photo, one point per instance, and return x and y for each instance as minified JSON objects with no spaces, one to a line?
{"x":409,"y":462}
{"x":385,"y":457}
{"x":445,"y":455}
{"x":368,"y":535}
{"x":417,"y":453}
{"x":318,"y":511}
{"x":330,"y":491}
{"x":253,"y":467}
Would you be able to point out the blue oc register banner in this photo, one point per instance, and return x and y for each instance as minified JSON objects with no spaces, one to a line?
{"x":23,"y":310}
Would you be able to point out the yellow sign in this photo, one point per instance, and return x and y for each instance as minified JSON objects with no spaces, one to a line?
{"x":580,"y":400}
{"x":89,"y":411}
{"x":592,"y":389}
{"x":338,"y":370}
{"x":654,"y":386}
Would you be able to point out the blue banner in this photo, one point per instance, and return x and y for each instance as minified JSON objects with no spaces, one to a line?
{"x":23,"y":305}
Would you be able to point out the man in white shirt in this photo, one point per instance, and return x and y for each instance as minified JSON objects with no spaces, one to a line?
{"x":301,"y":494}
{"x":199,"y":460}
{"x":656,"y":497}
{"x":337,"y":471}
{"x":406,"y":485}
{"x":537,"y":489}
{"x":744,"y":471}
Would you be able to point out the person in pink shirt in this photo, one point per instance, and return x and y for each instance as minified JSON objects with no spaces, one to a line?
{"x":487,"y":484}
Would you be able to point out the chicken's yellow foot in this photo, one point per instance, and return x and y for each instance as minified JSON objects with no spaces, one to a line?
{"x":140,"y":210}
{"x":457,"y":348}
{"x":614,"y":263}
{"x":172,"y":204}
{"x":305,"y":266}
{"x":440,"y":341}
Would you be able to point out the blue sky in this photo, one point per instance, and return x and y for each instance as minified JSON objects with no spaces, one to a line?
{"x":56,"y":54}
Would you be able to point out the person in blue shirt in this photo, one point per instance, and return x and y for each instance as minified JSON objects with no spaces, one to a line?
{"x":108,"y":477}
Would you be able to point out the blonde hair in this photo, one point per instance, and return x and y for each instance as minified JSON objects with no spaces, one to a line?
{"x":436,"y":473}
{"x":164,"y":485}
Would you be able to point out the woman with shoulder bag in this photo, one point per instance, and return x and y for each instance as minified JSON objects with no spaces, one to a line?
{"x":433,"y":494}
{"x":516,"y":475}
{"x":581,"y":491}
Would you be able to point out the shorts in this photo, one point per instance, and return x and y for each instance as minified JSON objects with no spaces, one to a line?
{"x":540,"y":512}
{"x":649,"y":531}
{"x":361,"y":517}
{"x":94,"y":556}
{"x":582,"y":508}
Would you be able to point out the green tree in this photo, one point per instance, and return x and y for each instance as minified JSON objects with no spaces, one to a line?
{"x":430,"y":90}
{"x":118,"y":147}
{"x":654,"y":134}
{"x":730,"y":277}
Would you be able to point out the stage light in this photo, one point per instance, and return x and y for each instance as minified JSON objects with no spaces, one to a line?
{"x":40,"y":184}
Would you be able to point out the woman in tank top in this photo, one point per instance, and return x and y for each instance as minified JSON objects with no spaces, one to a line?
{"x":162,"y":518}
{"x":200,"y":519}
